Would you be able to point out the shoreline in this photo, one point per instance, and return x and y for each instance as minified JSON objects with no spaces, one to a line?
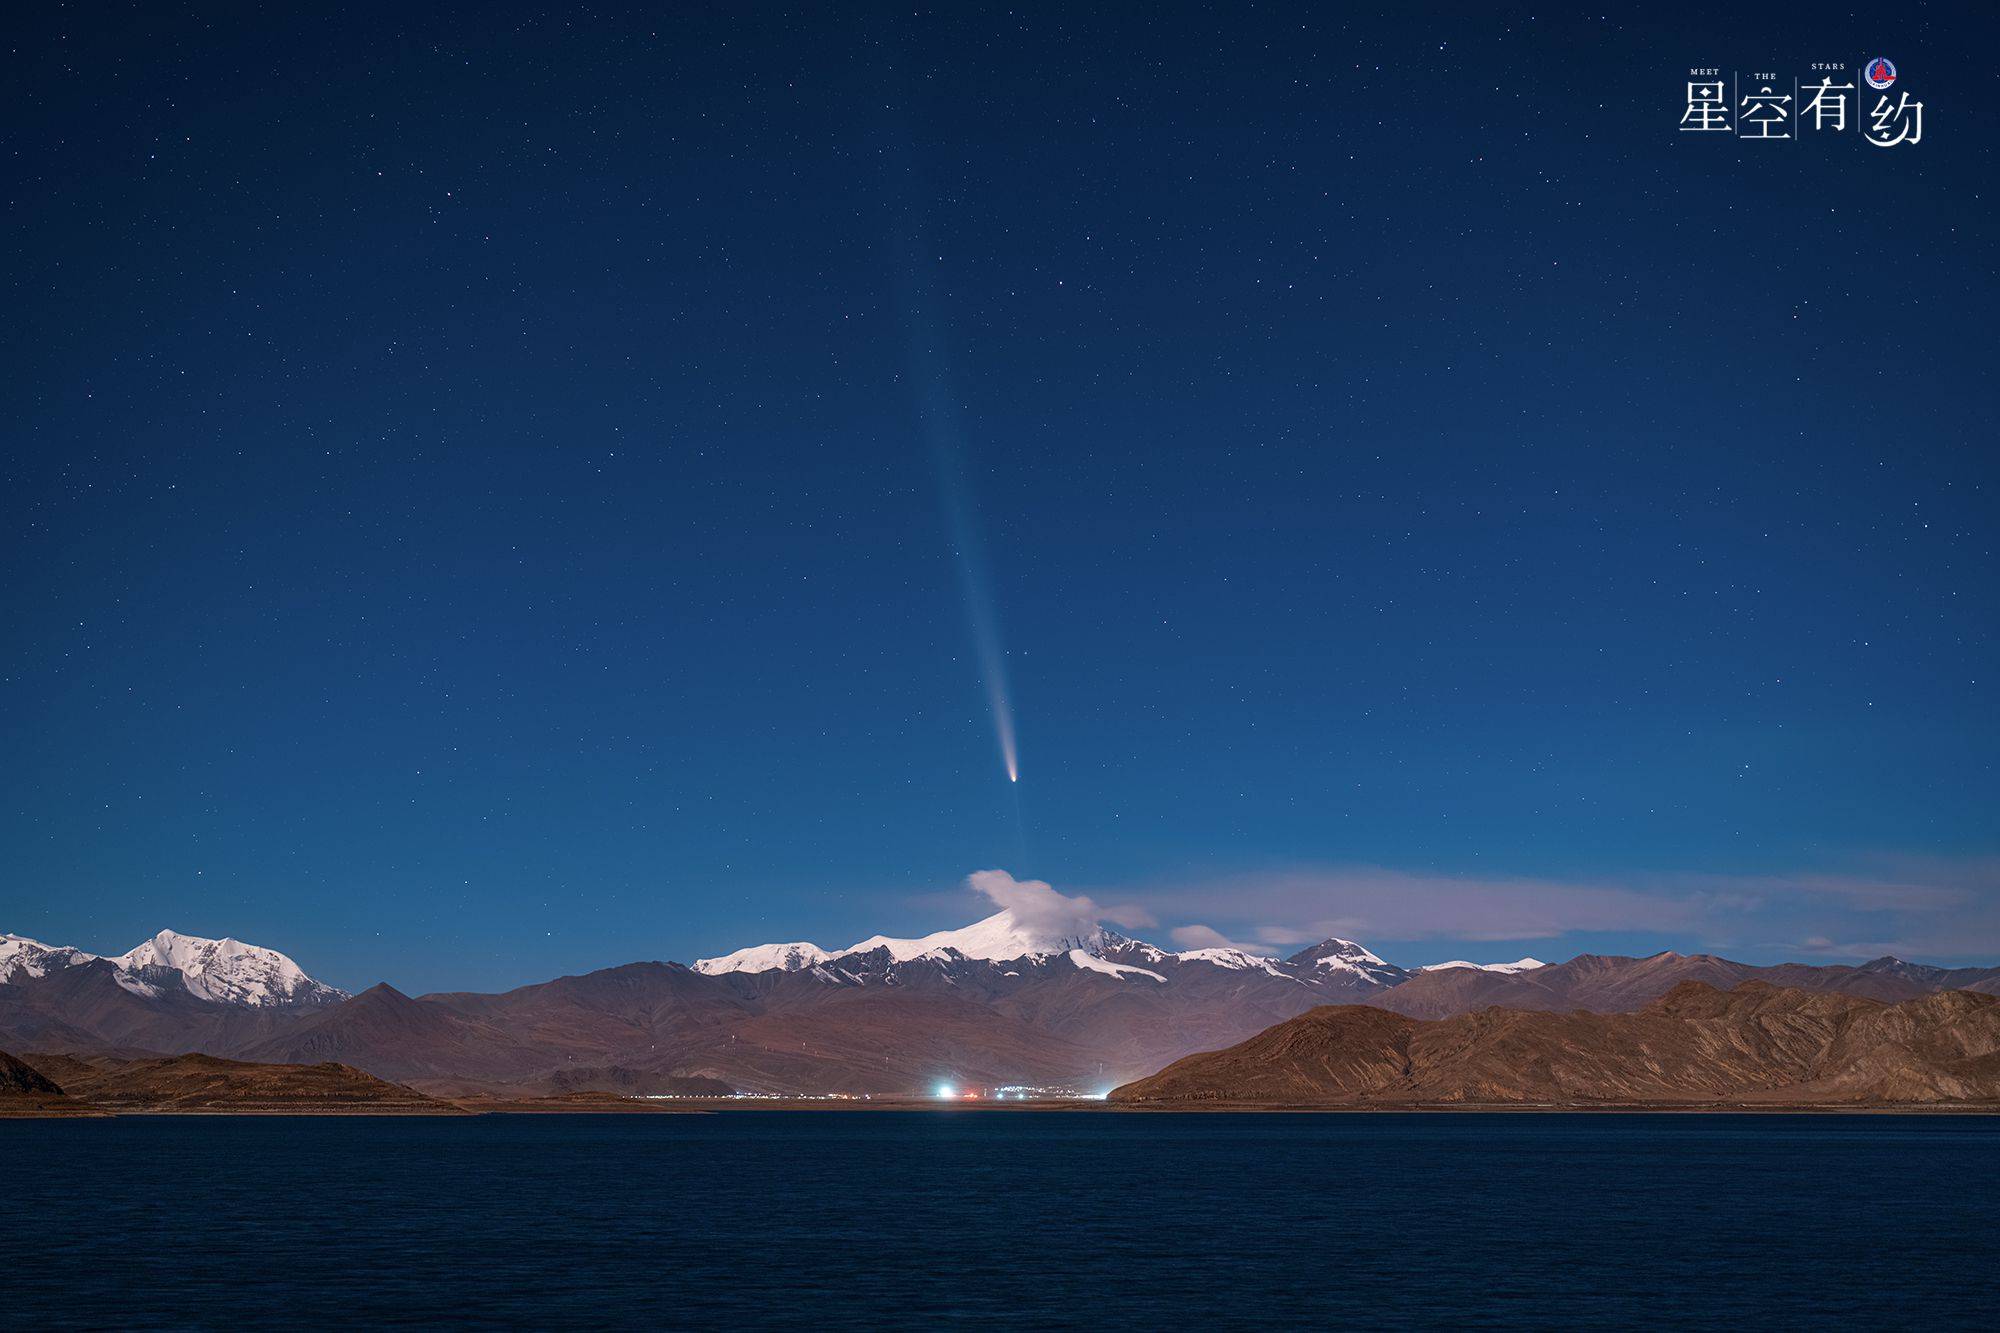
{"x":725,"y":1106}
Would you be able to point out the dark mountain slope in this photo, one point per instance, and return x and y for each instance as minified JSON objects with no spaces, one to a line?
{"x":1696,"y":1044}
{"x":1610,"y":984}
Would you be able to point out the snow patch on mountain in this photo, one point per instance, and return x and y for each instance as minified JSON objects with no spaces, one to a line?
{"x":1520,"y":965}
{"x":133,"y":982}
{"x":1234,"y":960}
{"x":1090,"y":962}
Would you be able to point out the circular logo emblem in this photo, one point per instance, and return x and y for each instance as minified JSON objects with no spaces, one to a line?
{"x":1881,"y":72}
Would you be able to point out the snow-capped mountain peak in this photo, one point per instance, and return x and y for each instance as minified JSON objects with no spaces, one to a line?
{"x":23,"y":957}
{"x":219,"y":971}
{"x":1333,"y":947}
{"x":996,"y":938}
{"x":227,"y":971}
{"x":1334,"y":955}
{"x":765,"y":958}
{"x":1890,"y":965}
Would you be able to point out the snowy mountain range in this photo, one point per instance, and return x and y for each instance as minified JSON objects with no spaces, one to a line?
{"x":1005,"y":938}
{"x":1001,"y":937}
{"x":221,"y":971}
{"x":997,"y":938}
{"x":1034,"y":994}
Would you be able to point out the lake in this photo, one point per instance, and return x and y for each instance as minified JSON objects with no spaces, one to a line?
{"x":851,"y":1219}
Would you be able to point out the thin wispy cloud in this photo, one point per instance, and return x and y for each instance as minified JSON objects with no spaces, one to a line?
{"x":1198,"y":936}
{"x":1929,"y":907}
{"x":1372,"y":902}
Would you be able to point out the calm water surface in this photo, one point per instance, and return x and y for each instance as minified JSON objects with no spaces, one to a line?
{"x":1033,"y":1219}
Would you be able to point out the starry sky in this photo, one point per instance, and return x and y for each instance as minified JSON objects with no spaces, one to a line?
{"x":489,"y":494}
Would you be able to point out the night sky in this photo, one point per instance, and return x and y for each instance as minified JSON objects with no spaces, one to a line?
{"x":492,"y":495}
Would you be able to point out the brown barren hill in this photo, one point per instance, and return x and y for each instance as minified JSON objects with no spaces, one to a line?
{"x":1335,"y":1052}
{"x":393,"y":1036}
{"x":26,"y":1091}
{"x":205,"y":1084}
{"x":1696,"y":1045}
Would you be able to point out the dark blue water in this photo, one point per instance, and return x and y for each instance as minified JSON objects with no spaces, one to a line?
{"x":870,"y":1218}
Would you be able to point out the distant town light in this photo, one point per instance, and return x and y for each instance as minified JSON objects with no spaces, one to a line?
{"x":946,"y":1092}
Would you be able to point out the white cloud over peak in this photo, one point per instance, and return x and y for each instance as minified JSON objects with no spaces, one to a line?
{"x":1038,"y":908}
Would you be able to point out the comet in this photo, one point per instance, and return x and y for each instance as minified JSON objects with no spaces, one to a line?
{"x":969,"y":553}
{"x":939,"y":418}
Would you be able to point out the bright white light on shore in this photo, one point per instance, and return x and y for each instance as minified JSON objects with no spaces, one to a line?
{"x":946,"y":1092}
